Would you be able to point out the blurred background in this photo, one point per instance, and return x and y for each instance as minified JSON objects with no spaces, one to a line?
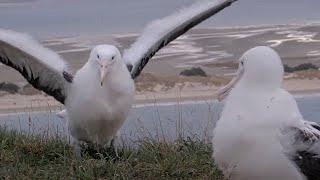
{"x":196,"y":64}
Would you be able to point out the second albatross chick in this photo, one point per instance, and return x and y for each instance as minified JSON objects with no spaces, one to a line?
{"x":261,"y":133}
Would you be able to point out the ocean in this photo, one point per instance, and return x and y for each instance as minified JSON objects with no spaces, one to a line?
{"x":56,"y":18}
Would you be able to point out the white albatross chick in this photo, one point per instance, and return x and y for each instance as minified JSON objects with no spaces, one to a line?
{"x":256,"y":134}
{"x":99,"y":96}
{"x":107,"y":93}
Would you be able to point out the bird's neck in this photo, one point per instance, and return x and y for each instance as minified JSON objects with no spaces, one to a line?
{"x":117,"y":88}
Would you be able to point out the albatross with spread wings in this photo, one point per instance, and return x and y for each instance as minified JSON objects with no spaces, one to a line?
{"x":99,"y":96}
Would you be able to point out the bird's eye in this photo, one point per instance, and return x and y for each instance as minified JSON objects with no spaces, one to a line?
{"x":98,"y":56}
{"x":112,"y":57}
{"x":242,"y":63}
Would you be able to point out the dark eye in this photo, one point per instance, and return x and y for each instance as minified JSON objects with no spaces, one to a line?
{"x":112,"y":57}
{"x":242,"y":63}
{"x":98,"y":56}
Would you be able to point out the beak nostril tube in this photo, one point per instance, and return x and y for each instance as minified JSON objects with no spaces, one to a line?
{"x":103,"y":70}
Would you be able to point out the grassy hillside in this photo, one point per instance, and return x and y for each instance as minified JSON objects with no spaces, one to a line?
{"x":29,"y":157}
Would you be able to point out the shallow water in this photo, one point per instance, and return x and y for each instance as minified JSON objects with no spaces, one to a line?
{"x":164,"y":121}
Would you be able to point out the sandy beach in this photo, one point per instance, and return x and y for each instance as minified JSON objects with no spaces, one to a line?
{"x":184,"y":89}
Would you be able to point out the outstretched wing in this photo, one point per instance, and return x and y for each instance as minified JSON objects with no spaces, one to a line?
{"x":161,"y":32}
{"x":41,"y":67}
{"x":307,"y":142}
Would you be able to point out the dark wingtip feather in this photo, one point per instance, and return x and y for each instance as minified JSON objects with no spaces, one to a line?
{"x":309,"y":164}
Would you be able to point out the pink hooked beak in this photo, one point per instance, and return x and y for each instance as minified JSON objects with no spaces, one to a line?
{"x":103,"y":70}
{"x":224,"y":92}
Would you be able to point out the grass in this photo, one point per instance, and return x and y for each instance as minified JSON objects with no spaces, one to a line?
{"x":194,"y":71}
{"x":149,"y":81}
{"x":301,"y":67}
{"x":29,"y":157}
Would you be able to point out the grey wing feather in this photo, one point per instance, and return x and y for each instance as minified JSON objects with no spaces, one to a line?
{"x":41,"y":67}
{"x":161,"y":32}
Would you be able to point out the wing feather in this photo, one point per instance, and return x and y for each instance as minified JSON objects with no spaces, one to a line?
{"x":41,"y":67}
{"x":307,"y":156}
{"x":161,"y":32}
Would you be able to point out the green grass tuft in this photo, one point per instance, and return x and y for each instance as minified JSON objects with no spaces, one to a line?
{"x":29,"y":157}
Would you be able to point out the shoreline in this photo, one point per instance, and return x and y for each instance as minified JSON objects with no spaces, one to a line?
{"x":156,"y":100}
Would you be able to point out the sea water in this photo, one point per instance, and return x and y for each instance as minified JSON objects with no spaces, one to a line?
{"x":52,"y":18}
{"x":158,"y":121}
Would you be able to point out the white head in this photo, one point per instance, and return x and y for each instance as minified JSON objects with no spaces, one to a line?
{"x":259,"y":67}
{"x":105,"y":58}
